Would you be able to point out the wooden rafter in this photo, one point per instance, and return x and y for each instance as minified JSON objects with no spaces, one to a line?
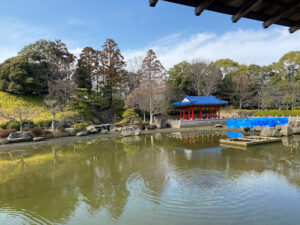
{"x":202,"y":6}
{"x":280,"y":15}
{"x":294,"y":28}
{"x":245,"y":9}
{"x":152,"y":3}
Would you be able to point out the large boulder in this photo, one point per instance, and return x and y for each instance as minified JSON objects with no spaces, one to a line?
{"x":150,"y":127}
{"x":296,"y":130}
{"x":286,"y":131}
{"x":92,"y":129}
{"x":257,"y":129}
{"x":3,"y":141}
{"x":270,"y":132}
{"x":82,"y":133}
{"x":38,"y":139}
{"x":117,"y":129}
{"x":104,"y":131}
{"x":245,"y":129}
{"x":20,"y":136}
{"x":131,"y":131}
{"x":219,"y":125}
{"x":71,"y":131}
{"x":160,"y":123}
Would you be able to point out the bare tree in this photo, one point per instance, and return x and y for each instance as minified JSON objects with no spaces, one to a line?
{"x":55,"y":107}
{"x":153,"y":75}
{"x":18,"y":113}
{"x":205,"y":77}
{"x":243,"y":86}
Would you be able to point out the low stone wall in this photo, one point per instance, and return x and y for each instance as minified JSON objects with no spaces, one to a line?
{"x":194,"y":123}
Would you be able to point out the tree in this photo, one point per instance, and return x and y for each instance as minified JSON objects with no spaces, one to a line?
{"x":226,"y":66}
{"x":18,"y":113}
{"x":17,"y":76}
{"x":52,"y":61}
{"x":179,"y":83}
{"x":112,"y":68}
{"x":87,"y":69}
{"x":129,"y":116}
{"x":153,"y":75}
{"x":55,"y":107}
{"x":205,"y":78}
{"x":243,"y":86}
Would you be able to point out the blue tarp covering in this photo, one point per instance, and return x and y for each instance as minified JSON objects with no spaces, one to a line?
{"x":200,"y":100}
{"x":253,"y":122}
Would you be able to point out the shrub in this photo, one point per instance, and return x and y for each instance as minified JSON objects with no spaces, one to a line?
{"x":3,"y":126}
{"x":80,"y":126}
{"x":43,"y":123}
{"x":46,"y":134}
{"x":37,"y":131}
{"x":13,"y":125}
{"x":6,"y":133}
{"x":278,"y":113}
{"x":58,"y":134}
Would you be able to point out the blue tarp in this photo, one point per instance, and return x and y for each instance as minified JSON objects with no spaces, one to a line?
{"x":253,"y":122}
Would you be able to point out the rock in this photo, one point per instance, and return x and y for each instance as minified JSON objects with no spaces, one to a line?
{"x":38,"y":139}
{"x":219,"y":126}
{"x":4,"y":142}
{"x":296,"y":130}
{"x":257,"y":129}
{"x":160,"y":123}
{"x":269,"y":132}
{"x":131,"y":131}
{"x":286,"y":131}
{"x":246,"y":129}
{"x":151,"y":127}
{"x":92,"y":129}
{"x":71,"y":131}
{"x":82,"y":133}
{"x":104,"y":131}
{"x":278,"y":127}
{"x":117,"y":129}
{"x":106,"y":127}
{"x":20,"y":136}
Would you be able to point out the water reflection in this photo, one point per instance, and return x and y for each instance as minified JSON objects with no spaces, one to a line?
{"x":178,"y":177}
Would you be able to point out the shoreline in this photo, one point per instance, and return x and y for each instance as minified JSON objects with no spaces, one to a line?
{"x":110,"y":135}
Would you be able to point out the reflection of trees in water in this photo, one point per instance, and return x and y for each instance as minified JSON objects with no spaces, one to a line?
{"x":102,"y":174}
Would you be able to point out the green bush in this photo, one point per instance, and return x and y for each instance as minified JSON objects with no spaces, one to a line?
{"x":3,"y":125}
{"x":13,"y":125}
{"x":277,"y":113}
{"x":80,"y":126}
{"x":43,"y":123}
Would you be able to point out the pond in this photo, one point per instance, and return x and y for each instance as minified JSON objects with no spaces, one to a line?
{"x":170,"y":178}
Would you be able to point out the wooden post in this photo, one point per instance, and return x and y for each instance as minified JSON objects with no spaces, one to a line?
{"x":201,"y":112}
{"x":189,"y":113}
{"x":180,"y":114}
{"x":193,"y":118}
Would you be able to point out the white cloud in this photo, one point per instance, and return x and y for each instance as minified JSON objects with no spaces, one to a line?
{"x":261,"y":47}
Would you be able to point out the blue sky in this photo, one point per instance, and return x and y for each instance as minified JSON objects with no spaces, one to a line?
{"x":171,"y":30}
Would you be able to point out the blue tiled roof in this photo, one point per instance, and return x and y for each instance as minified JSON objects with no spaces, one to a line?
{"x":199,"y":100}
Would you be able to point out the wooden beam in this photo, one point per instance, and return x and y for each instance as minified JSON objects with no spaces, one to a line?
{"x":152,"y":3}
{"x":294,"y":28}
{"x":202,"y":6}
{"x":245,"y":9}
{"x":283,"y":13}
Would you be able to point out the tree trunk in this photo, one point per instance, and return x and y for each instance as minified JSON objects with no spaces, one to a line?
{"x":21,"y":126}
{"x":144,"y":116}
{"x":151,"y":118}
{"x":240,"y":104}
{"x":53,"y":121}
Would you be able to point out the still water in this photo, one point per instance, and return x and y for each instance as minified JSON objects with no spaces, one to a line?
{"x":172,"y":178}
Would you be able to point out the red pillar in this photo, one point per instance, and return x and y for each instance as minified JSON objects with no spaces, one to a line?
{"x":201,"y":113}
{"x":219,"y":112}
{"x":193,"y":113}
{"x":215,"y":112}
{"x":183,"y":113}
{"x":180,"y":114}
{"x":189,"y":113}
{"x":210,"y":112}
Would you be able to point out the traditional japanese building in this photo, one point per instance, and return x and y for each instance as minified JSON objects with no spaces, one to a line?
{"x":199,"y":107}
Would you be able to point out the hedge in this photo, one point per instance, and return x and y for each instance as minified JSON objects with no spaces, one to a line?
{"x":80,"y":126}
{"x":277,"y":113}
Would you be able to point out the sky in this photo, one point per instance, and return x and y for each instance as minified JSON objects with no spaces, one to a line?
{"x":171,"y":30}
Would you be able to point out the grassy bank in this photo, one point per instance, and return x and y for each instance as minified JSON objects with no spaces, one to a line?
{"x":277,"y":113}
